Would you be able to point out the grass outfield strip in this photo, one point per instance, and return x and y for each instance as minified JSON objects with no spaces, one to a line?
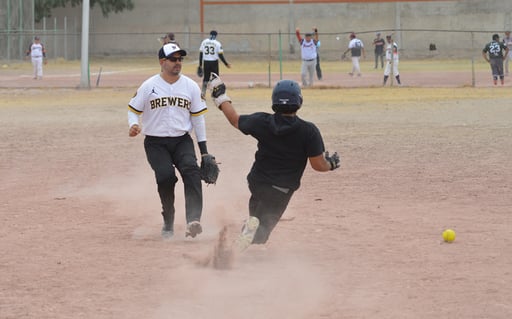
{"x":261,"y":66}
{"x":260,"y":97}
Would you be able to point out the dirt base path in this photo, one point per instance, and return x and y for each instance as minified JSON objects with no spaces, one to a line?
{"x":80,"y":223}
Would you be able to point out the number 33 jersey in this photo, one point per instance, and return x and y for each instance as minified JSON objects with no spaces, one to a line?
{"x":211,"y":49}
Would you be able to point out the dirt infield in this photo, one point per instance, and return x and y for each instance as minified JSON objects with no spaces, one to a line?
{"x":80,"y":222}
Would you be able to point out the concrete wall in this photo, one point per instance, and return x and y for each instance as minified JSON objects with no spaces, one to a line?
{"x":457,"y":28}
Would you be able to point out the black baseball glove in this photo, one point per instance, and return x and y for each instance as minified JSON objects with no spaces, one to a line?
{"x":218,"y":89}
{"x":200,"y":72}
{"x":334,"y":160}
{"x":209,"y":169}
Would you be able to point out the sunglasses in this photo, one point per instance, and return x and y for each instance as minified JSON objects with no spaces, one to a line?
{"x":174,"y":59}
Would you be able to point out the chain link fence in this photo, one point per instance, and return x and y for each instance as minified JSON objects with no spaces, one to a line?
{"x":65,"y":42}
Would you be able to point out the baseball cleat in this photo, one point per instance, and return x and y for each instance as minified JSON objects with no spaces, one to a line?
{"x":193,"y":229}
{"x":248,"y":231}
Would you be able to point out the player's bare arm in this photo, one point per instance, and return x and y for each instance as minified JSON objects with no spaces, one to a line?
{"x":297,"y":34}
{"x":230,"y":113}
{"x":325,"y":162}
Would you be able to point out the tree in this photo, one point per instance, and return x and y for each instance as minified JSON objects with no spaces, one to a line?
{"x":43,"y":8}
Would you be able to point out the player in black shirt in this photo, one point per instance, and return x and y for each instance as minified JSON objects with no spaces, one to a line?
{"x":493,"y":53}
{"x":285,"y":144}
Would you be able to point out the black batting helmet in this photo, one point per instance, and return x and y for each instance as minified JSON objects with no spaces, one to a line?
{"x":213,"y":34}
{"x":495,"y":37}
{"x":286,"y":97}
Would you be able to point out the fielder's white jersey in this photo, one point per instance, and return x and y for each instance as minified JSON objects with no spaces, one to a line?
{"x":508,"y":42}
{"x":356,"y":46}
{"x":36,"y":50}
{"x":168,"y":109}
{"x":308,"y":50}
{"x":211,"y":49}
{"x":391,"y":51}
{"x":355,"y":43}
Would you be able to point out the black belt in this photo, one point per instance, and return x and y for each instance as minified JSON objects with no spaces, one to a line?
{"x":308,"y":60}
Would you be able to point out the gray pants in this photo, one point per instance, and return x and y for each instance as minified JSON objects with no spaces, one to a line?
{"x":497,"y":68}
{"x":308,"y":70}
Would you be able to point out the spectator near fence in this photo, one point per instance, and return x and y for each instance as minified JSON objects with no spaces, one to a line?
{"x":379,"y":44}
{"x":169,"y":38}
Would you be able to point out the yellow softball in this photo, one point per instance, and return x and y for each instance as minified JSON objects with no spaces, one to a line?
{"x":449,"y":235}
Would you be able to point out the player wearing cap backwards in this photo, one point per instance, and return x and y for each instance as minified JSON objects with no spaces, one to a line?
{"x":210,"y":52}
{"x":170,"y":106}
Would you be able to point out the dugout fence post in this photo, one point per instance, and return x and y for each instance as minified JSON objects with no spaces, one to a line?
{"x":84,"y":57}
{"x":473,"y":81}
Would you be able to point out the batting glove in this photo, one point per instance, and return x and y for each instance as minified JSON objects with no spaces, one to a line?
{"x":334,"y":160}
{"x":218,"y":89}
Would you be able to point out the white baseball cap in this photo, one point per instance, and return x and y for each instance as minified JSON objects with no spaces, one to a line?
{"x":169,"y":49}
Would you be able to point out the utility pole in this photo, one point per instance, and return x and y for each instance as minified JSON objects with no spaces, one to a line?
{"x":84,"y":66}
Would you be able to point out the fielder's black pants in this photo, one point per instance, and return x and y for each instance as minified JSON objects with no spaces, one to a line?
{"x":208,"y":68}
{"x":377,"y":57}
{"x":318,"y":69}
{"x":268,"y":204}
{"x":165,"y":155}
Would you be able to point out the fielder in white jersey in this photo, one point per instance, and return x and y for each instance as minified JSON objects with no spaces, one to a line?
{"x":356,"y":48}
{"x":170,"y":106}
{"x":210,"y":52}
{"x":507,"y":40}
{"x":391,"y":60}
{"x":308,"y":53}
{"x":37,"y":54}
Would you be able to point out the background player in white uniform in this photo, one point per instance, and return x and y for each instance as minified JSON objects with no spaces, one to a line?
{"x":391,"y":59}
{"x":170,"y":106}
{"x":356,"y":48}
{"x":508,"y":42}
{"x":308,"y":51}
{"x":210,"y":52}
{"x":37,"y":54}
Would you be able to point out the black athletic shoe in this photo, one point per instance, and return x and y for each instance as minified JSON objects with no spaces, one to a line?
{"x":167,"y":231}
